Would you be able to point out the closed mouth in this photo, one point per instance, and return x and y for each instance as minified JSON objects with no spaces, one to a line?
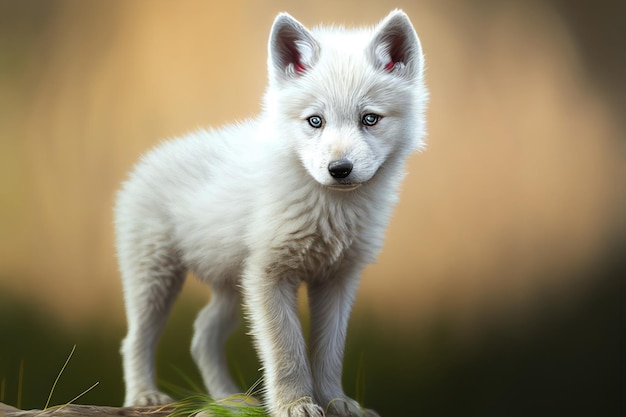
{"x":345,"y":187}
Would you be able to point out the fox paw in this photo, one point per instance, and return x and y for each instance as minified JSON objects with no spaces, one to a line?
{"x":304,"y":407}
{"x":146,"y":398}
{"x":348,"y":408}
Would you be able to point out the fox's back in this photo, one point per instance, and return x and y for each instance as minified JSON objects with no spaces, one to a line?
{"x":188,"y":194}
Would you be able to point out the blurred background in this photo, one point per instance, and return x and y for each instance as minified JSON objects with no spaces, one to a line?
{"x":500,"y":287}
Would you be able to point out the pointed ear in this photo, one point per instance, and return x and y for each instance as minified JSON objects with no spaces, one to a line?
{"x":292,"y":49}
{"x":395,"y":46}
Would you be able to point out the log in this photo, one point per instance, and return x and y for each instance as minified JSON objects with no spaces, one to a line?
{"x":75,"y":410}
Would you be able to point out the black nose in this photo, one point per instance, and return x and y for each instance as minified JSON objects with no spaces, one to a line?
{"x":340,"y":168}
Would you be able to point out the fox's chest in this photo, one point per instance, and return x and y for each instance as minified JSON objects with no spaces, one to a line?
{"x":311,"y":254}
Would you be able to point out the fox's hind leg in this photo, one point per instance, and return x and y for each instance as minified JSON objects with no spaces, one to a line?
{"x":152,"y":277}
{"x":211,"y":329}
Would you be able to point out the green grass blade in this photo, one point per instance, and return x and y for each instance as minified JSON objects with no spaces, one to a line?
{"x":188,"y":381}
{"x":59,"y":376}
{"x":20,"y":384}
{"x":234,"y":406}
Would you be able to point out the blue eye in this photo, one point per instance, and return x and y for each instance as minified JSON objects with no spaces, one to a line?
{"x":316,"y":122}
{"x":370,"y":119}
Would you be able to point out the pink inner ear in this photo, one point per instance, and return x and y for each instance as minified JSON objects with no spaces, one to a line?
{"x":299,"y":67}
{"x":390,"y":65}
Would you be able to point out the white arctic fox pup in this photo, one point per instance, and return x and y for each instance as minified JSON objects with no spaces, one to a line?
{"x":302,"y":193}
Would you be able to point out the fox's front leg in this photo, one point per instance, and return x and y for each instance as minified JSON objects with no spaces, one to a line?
{"x":271,"y":304}
{"x":330,"y":304}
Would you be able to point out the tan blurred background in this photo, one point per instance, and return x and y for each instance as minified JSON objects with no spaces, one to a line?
{"x":518,"y":200}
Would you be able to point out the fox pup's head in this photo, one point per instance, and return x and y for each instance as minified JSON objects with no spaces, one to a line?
{"x":347,"y":101}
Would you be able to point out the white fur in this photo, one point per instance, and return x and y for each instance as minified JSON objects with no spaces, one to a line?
{"x":253,"y":210}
